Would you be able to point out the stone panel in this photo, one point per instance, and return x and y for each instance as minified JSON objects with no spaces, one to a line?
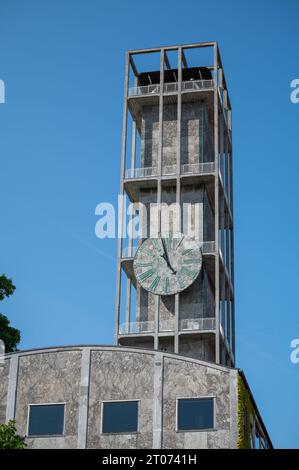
{"x":50,"y":377}
{"x":119,"y":376}
{"x":196,"y":140}
{"x":184,"y":379}
{"x":4,"y":372}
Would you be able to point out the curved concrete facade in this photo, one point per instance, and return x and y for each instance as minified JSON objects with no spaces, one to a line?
{"x":83,"y":377}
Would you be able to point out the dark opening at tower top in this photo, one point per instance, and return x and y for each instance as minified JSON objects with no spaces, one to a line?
{"x":192,"y":73}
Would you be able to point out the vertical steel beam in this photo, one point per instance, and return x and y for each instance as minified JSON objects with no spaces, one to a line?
{"x":159,"y":183}
{"x":216,"y":195}
{"x":232,"y":259}
{"x":178,"y":186}
{"x":227,"y":245}
{"x":121,"y":209}
{"x":222,"y":277}
{"x":131,"y":214}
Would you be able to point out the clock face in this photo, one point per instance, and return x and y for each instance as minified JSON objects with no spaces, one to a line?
{"x":168,"y":264}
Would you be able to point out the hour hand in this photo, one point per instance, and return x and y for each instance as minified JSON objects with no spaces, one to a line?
{"x":165,"y":256}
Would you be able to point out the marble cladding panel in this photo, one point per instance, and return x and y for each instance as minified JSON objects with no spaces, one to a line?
{"x":190,"y":380}
{"x":67,"y":442}
{"x":118,"y":376}
{"x":4,"y":372}
{"x":196,"y":214}
{"x":191,"y":135}
{"x":50,"y":377}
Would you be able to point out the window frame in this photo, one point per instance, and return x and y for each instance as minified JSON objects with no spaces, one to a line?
{"x":138,"y":401}
{"x":45,"y":436}
{"x":211,"y":397}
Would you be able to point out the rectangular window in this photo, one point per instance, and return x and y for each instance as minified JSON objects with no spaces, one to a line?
{"x":195,"y":414}
{"x":120,"y":416}
{"x":46,"y":420}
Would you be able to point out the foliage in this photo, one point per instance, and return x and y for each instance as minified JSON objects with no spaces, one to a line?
{"x":9,"y":439}
{"x":10,"y":336}
{"x":245,"y":410}
{"x":6,"y":287}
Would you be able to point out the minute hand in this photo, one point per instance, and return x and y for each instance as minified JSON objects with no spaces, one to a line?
{"x":165,"y":256}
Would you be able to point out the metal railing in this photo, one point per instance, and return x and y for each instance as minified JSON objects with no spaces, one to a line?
{"x":198,"y":168}
{"x":166,"y":325}
{"x":191,"y":85}
{"x":137,"y":327}
{"x":145,"y":172}
{"x":196,"y":85}
{"x":189,"y":324}
{"x":208,"y":247}
{"x":197,"y":324}
{"x":186,"y":169}
{"x":171,"y":87}
{"x":144,"y":90}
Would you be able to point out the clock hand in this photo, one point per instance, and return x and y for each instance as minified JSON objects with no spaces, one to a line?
{"x":165,"y":256}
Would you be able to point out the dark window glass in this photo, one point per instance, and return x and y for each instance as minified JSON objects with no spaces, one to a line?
{"x":46,"y":420}
{"x":121,"y":416}
{"x":195,"y":413}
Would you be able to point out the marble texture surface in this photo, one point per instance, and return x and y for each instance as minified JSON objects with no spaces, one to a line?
{"x":118,"y":376}
{"x":50,"y":377}
{"x":4,"y":371}
{"x":53,"y":376}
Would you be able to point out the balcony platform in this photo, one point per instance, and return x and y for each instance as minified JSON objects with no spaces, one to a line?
{"x":145,"y":178}
{"x":197,"y":90}
{"x":193,"y":326}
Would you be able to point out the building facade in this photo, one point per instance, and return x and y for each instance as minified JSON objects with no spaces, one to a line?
{"x":170,"y":381}
{"x":83,"y":380}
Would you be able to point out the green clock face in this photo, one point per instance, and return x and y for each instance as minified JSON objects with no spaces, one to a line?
{"x":168,"y":264}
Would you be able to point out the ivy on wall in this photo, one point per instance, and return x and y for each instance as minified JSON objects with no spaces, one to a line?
{"x":9,"y":439}
{"x":245,"y":410}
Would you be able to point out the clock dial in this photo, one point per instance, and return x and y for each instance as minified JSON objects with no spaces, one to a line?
{"x":168,"y":264}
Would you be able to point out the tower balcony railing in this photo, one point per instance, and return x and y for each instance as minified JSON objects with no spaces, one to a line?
{"x":191,"y":85}
{"x":208,"y":247}
{"x":198,"y":168}
{"x":185,"y":325}
{"x":168,"y":170}
{"x":137,"y":327}
{"x":146,"y":172}
{"x":197,"y":324}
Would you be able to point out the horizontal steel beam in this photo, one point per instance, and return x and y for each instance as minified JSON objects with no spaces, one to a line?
{"x":168,"y":48}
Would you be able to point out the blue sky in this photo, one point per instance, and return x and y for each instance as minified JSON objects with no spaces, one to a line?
{"x":60,"y":137}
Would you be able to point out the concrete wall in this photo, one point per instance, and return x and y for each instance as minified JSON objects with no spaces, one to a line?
{"x":4,"y":372}
{"x":117,"y":375}
{"x":196,"y":140}
{"x":84,"y":377}
{"x":186,"y":379}
{"x":50,"y":378}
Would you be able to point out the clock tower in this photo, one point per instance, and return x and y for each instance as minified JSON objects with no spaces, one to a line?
{"x":175,"y":279}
